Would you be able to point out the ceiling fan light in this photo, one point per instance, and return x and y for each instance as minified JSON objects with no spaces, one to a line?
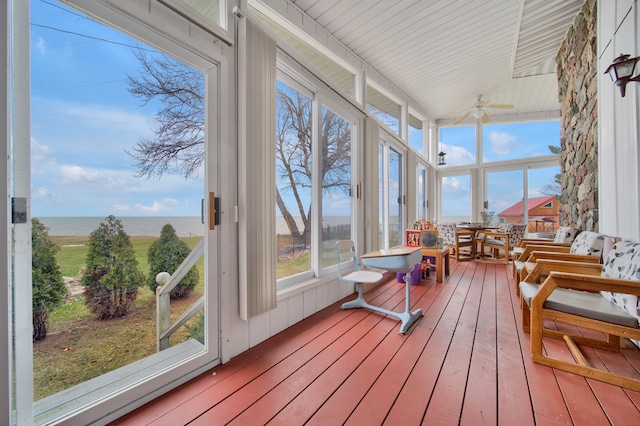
{"x":478,"y":112}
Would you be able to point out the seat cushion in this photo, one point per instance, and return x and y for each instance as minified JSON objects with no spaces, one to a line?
{"x":494,"y":242}
{"x":589,"y":243}
{"x":518,"y":265}
{"x":566,"y":234}
{"x":581,"y":303}
{"x":623,"y":261}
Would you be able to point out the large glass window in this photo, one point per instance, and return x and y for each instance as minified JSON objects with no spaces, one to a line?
{"x":309,"y":164}
{"x":512,"y":141}
{"x":342,"y":77}
{"x":391,"y":193}
{"x":206,"y":12}
{"x":396,"y":199}
{"x":293,"y":180}
{"x":459,"y":143}
{"x":421,"y":183}
{"x":505,"y":194}
{"x":455,"y":198}
{"x":415,"y":133}
{"x":384,"y":109}
{"x":336,"y":183}
{"x":545,"y":188}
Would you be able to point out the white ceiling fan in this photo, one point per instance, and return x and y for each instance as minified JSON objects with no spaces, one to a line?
{"x":479,"y":110}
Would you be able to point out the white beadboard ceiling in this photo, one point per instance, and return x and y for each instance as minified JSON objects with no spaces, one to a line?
{"x":444,"y":54}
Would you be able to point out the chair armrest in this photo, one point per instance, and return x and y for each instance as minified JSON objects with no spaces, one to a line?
{"x":545,"y":267}
{"x":582,"y":282}
{"x":524,"y":256}
{"x":493,"y":235}
{"x":525,"y":241}
{"x":537,"y":241}
{"x":551,"y":255}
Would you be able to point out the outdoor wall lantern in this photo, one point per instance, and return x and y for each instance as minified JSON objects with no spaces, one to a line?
{"x":441,"y":155}
{"x":621,"y":71}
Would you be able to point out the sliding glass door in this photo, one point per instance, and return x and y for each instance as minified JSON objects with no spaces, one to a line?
{"x":391,"y":193}
{"x":117,"y":170}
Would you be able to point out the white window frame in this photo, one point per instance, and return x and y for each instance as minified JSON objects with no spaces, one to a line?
{"x":144,"y":26}
{"x":388,"y":141}
{"x":292,"y":74}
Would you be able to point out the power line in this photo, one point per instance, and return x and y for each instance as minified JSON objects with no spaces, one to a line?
{"x":93,"y":37}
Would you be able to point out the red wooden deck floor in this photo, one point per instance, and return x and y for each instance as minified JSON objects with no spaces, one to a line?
{"x":465,"y":362}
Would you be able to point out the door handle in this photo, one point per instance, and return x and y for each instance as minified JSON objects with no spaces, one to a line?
{"x":214,"y":211}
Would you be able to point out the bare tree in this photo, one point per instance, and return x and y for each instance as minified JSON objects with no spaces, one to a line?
{"x":294,"y":155}
{"x":178,"y":145}
{"x":553,"y":187}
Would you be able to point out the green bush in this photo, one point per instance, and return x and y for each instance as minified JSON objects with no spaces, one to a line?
{"x":112,"y":276}
{"x":165,"y":255}
{"x":196,"y":331}
{"x":47,"y":284}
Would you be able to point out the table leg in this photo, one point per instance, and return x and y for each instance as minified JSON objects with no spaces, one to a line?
{"x":439,"y":267}
{"x":446,"y":264}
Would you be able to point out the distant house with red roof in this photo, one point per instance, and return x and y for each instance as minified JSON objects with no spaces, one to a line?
{"x":544,"y":213}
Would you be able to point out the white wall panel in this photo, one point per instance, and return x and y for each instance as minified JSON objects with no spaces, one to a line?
{"x":259,"y":328}
{"x":279,"y":317}
{"x":296,"y":308}
{"x":322,"y":300}
{"x":310,"y":302}
{"x":619,"y":156}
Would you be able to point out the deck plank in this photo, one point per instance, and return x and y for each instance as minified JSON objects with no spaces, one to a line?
{"x":514,"y":402}
{"x":413,"y":399}
{"x":448,"y":395}
{"x":466,"y":361}
{"x":480,"y":401}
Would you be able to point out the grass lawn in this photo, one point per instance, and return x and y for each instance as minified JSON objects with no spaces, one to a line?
{"x":78,"y":348}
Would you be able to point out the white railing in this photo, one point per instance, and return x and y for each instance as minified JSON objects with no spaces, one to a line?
{"x":166,"y":283}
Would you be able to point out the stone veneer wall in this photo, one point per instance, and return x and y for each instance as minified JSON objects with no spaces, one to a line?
{"x":578,"y":95}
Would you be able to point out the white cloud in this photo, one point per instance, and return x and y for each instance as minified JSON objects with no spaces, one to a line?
{"x":157,"y":206}
{"x":502,"y":143}
{"x":451,"y":184}
{"x":333,"y":202}
{"x":95,"y":178}
{"x":456,"y":155}
{"x":39,"y":151}
{"x":42,"y":192}
{"x":41,"y":44}
{"x":121,"y":207}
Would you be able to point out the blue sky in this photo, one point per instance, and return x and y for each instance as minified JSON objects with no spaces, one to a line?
{"x":82,"y":120}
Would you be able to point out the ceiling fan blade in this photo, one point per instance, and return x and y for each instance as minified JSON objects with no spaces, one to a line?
{"x":461,"y":118}
{"x":500,"y":106}
{"x":485,"y":118}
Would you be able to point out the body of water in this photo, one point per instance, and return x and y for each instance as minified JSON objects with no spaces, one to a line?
{"x":151,"y":226}
{"x":133,"y":226}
